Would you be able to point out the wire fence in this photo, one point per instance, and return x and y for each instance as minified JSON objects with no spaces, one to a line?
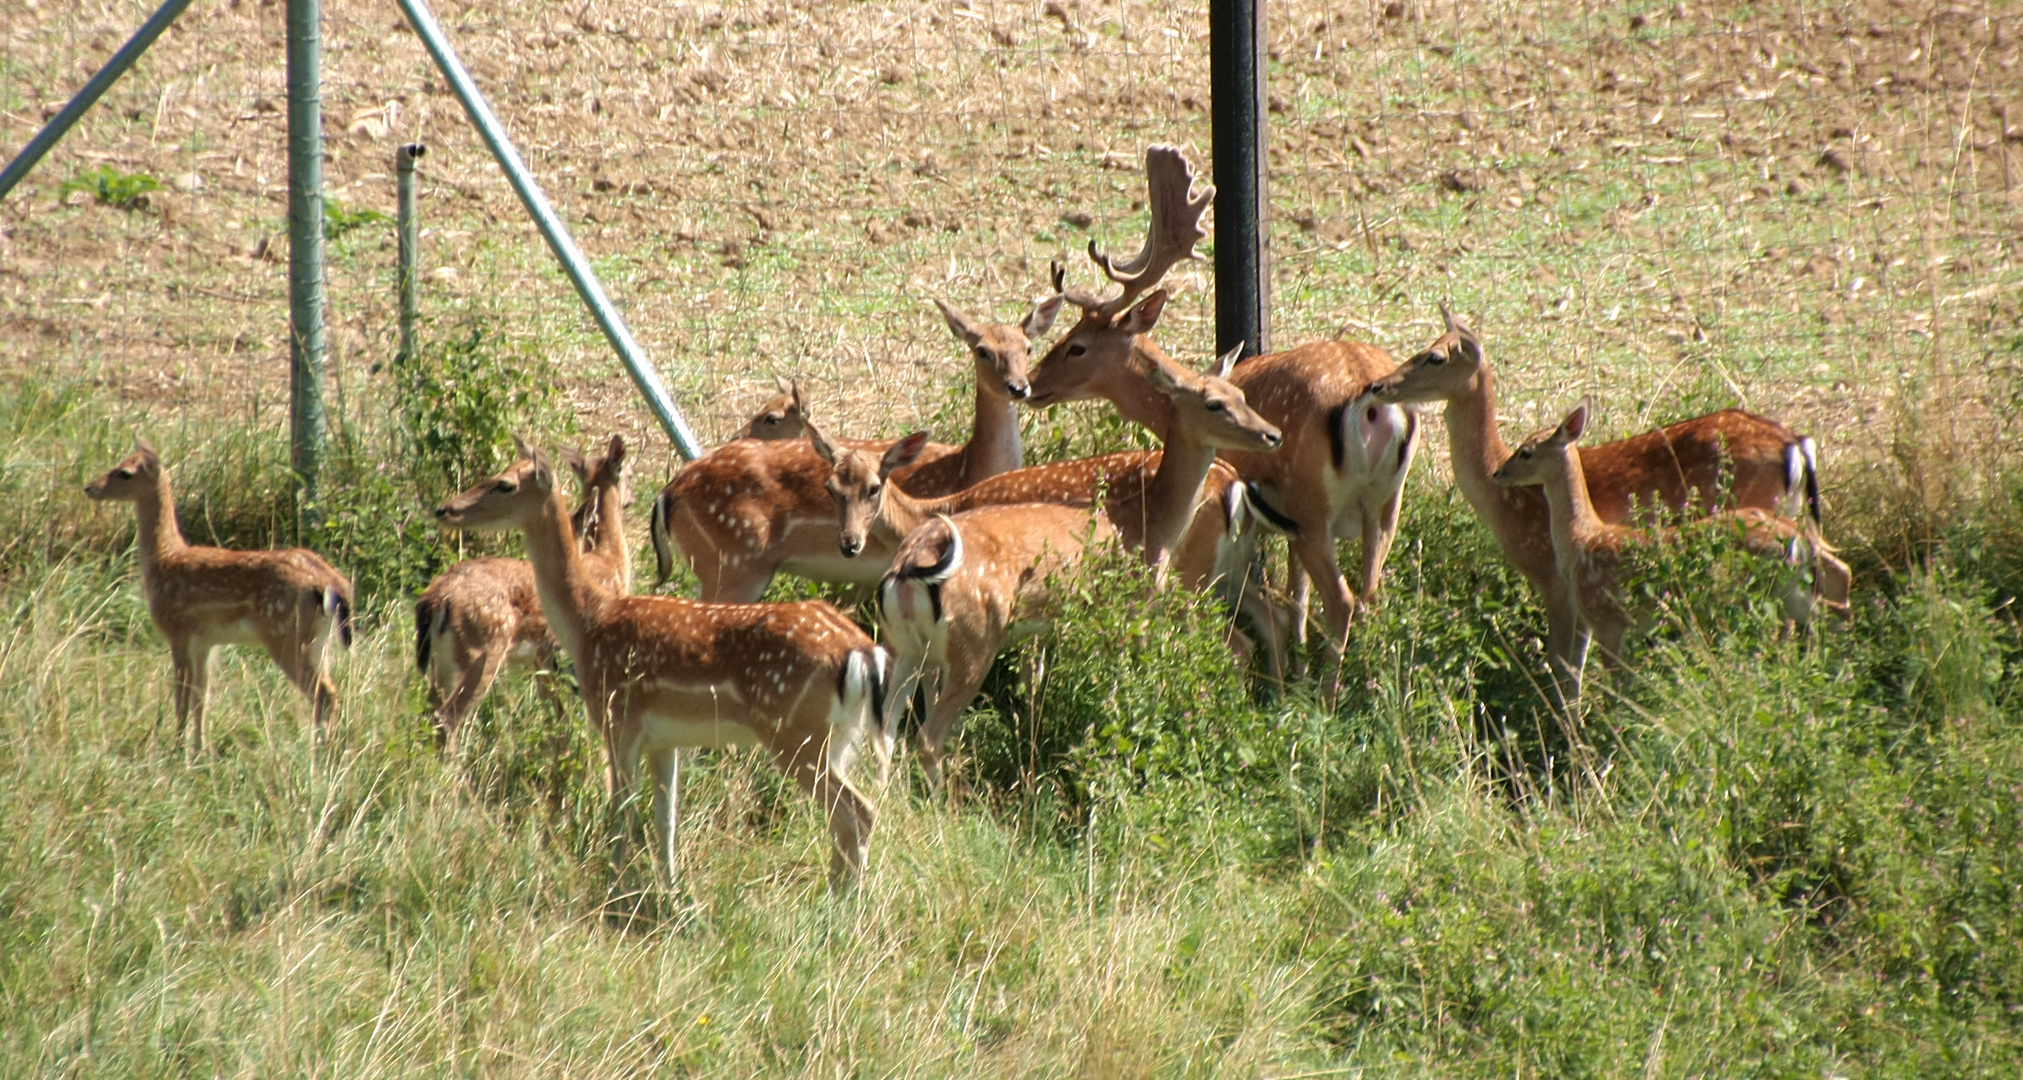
{"x":1811,"y":208}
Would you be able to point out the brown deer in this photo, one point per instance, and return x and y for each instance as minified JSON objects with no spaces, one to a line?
{"x":783,"y":416}
{"x":1342,"y":469}
{"x":1676,"y":467}
{"x":749,"y":510}
{"x":660,"y":674}
{"x":1588,"y":551}
{"x":961,"y":583}
{"x":482,"y":616}
{"x":290,"y":603}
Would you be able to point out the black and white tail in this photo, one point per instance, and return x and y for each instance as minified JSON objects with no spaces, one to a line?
{"x":1801,"y":471}
{"x":663,"y":545}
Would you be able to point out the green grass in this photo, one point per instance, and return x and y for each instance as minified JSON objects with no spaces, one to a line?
{"x":1762,"y":856}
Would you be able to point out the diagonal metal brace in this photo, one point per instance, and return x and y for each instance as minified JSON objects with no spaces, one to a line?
{"x":643,"y":374}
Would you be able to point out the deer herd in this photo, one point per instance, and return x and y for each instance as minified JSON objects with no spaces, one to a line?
{"x":961,"y":545}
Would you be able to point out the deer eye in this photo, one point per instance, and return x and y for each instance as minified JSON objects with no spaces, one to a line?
{"x":982,"y":353}
{"x":1217,"y":406}
{"x":1525,"y":453}
{"x":124,"y":474}
{"x":1435,"y":358}
{"x":874,"y":489}
{"x":504,"y":485}
{"x":1077,"y":349}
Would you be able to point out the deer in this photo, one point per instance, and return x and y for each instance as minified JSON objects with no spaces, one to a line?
{"x":749,"y":510}
{"x":1346,"y":455}
{"x":1588,"y":551}
{"x":783,"y":416}
{"x":960,"y":584}
{"x":483,"y":616}
{"x":1680,"y":467}
{"x":661,"y":674}
{"x":289,"y":602}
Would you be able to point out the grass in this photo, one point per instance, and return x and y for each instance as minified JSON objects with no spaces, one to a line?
{"x":1770,"y":856}
{"x":1763,"y":856}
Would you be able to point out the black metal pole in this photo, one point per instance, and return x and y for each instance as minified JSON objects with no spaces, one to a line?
{"x":1242,"y":240}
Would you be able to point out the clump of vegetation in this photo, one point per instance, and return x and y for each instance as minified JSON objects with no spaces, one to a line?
{"x":340,"y":220}
{"x":456,"y":406}
{"x":111,"y":187}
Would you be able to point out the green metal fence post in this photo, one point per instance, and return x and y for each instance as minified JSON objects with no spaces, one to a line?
{"x":410,"y":235}
{"x":305,"y":249}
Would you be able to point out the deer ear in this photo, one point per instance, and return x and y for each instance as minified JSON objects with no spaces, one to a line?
{"x":902,"y":453}
{"x":800,"y":403}
{"x":783,"y":386}
{"x":526,"y":452}
{"x":1042,"y":318}
{"x":573,"y":458}
{"x":1575,"y":424}
{"x":824,"y":445}
{"x":959,"y":324}
{"x":615,"y":452}
{"x":544,"y":470}
{"x":1141,"y":319}
{"x":1163,"y":379}
{"x":1224,"y":363}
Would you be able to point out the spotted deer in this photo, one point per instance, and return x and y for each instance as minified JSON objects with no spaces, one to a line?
{"x":482,"y":616}
{"x":750,"y":510}
{"x":1588,"y":552}
{"x":961,"y":585}
{"x":1342,"y":469}
{"x":783,"y":416}
{"x":290,"y":602}
{"x":660,"y":674}
{"x":1679,"y":467}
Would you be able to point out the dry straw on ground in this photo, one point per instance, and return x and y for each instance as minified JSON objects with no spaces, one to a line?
{"x":1811,"y":209}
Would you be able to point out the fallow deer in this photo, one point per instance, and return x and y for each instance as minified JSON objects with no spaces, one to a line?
{"x":1588,"y":552}
{"x":783,"y":416}
{"x":1673,"y":467}
{"x":660,"y":674}
{"x":482,"y":616}
{"x":960,"y":584}
{"x":749,"y":510}
{"x":290,"y":603}
{"x":1342,"y":469}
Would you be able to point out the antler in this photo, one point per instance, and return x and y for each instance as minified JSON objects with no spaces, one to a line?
{"x":1175,"y":229}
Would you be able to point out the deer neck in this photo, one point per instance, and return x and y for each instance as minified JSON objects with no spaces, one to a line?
{"x":900,"y":513}
{"x":569,"y":596}
{"x":993,"y":445}
{"x":1573,"y":514}
{"x":1476,"y":448}
{"x":160,"y":537}
{"x":1173,"y":491}
{"x":610,"y":549}
{"x":1132,"y":392}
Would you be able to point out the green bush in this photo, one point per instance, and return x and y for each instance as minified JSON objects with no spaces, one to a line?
{"x":111,"y":187}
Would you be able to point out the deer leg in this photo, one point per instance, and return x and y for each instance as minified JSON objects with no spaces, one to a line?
{"x":297,"y":658}
{"x":475,"y":676}
{"x":1566,"y":641}
{"x":851,"y":820}
{"x":665,"y":764}
{"x":1299,"y":596}
{"x":1315,"y":550}
{"x":899,"y":691}
{"x":192,"y":659}
{"x":961,"y":677}
{"x":1380,"y":529}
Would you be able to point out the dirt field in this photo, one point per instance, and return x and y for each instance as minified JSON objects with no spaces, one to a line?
{"x":1813,"y":209}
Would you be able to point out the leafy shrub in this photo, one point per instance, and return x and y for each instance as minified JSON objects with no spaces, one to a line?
{"x":110,"y":187}
{"x":338,"y":220}
{"x":456,"y":406}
